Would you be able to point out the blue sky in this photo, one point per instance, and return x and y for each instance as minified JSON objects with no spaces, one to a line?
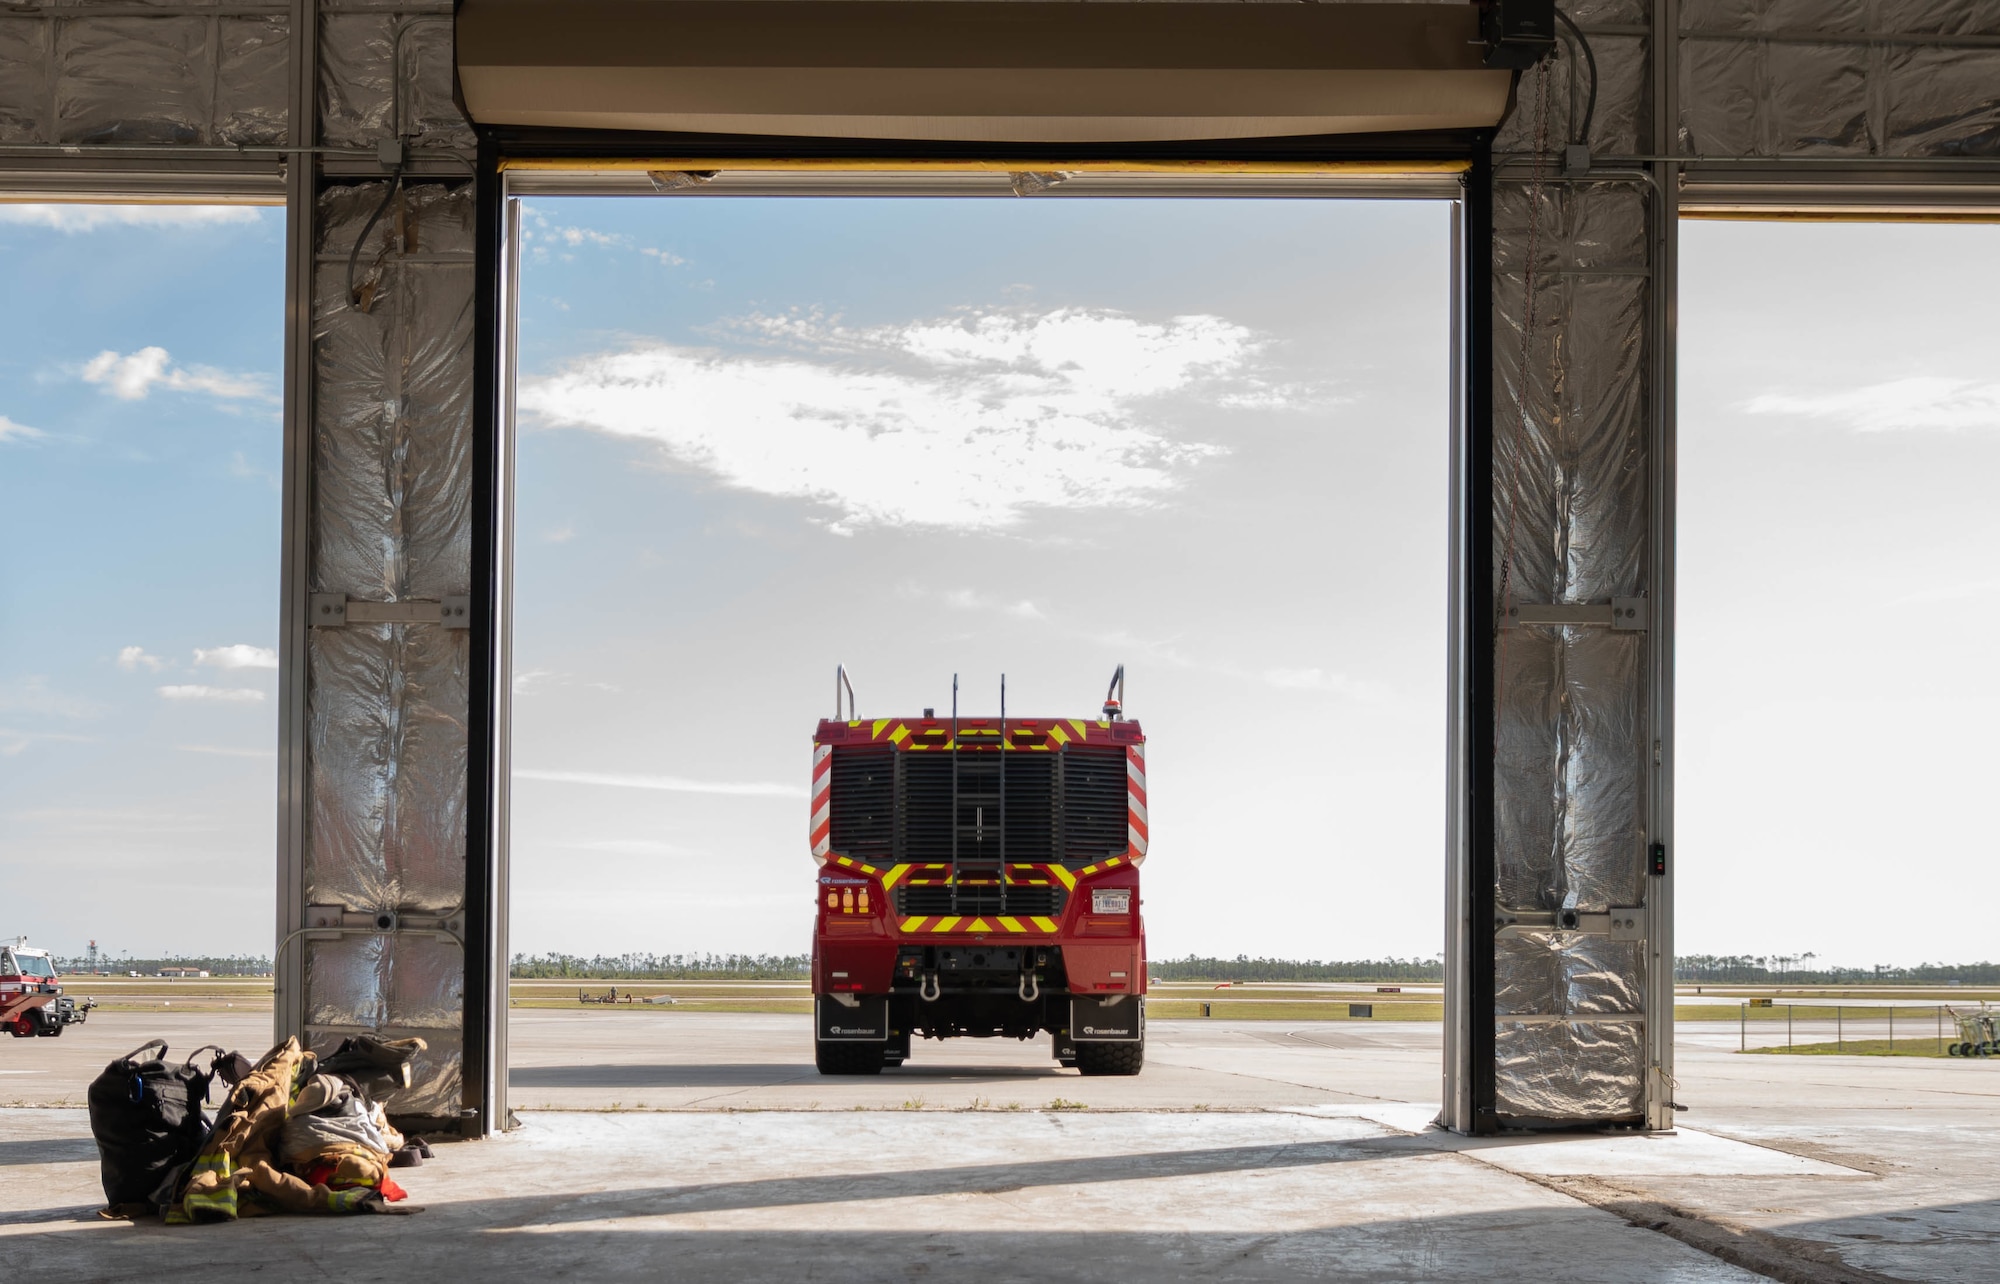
{"x":139,"y":574}
{"x":1204,"y":439}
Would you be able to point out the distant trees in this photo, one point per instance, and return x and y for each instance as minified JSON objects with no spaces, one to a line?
{"x":662,"y":967}
{"x":1245,"y":968}
{"x":1794,"y":969}
{"x":230,"y":965}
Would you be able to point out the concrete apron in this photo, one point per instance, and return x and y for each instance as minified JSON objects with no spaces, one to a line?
{"x":1342,"y":1192}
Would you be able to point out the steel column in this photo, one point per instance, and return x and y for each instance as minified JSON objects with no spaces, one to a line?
{"x":484,"y":1106}
{"x":1663,"y":311}
{"x":294,"y":805}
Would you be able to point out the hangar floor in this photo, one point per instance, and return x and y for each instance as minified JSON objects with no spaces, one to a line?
{"x":1247,"y":1151}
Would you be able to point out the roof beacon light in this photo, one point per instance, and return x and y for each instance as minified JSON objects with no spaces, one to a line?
{"x":1114,"y":699}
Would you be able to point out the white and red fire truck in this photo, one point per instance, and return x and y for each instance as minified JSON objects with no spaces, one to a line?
{"x":31,"y":997}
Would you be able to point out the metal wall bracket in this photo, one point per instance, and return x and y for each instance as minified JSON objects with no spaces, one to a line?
{"x":331,"y":610}
{"x":333,"y":920}
{"x":1620,"y":922}
{"x":1620,"y":614}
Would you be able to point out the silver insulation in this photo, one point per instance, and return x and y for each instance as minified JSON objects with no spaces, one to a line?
{"x":1819,"y":78}
{"x":1569,"y":1071}
{"x":1572,"y":418}
{"x":387,"y":703}
{"x":185,"y":74}
{"x":387,"y":74}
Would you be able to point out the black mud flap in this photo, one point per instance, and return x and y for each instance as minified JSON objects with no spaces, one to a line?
{"x":1121,"y":1019}
{"x":866,"y":1022}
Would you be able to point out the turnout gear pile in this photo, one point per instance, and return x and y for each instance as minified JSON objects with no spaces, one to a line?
{"x":297,"y":1133}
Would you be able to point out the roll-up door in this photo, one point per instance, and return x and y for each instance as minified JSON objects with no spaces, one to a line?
{"x":976,"y":70}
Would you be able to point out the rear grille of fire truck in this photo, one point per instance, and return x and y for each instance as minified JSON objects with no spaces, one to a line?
{"x":923,"y":808}
{"x":897,"y":806}
{"x":864,"y":804}
{"x":1093,"y":804}
{"x":925,"y":901}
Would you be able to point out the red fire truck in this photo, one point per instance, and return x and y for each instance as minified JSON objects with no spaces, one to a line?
{"x":31,"y":997}
{"x":979,"y":876}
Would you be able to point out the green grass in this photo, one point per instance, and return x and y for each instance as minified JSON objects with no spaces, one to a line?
{"x":1859,"y":1048}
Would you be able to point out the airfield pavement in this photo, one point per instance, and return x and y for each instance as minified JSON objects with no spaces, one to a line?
{"x":704,"y":1146}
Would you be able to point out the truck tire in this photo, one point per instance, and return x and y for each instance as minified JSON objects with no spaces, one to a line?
{"x":847,"y":1058}
{"x":1111,"y":1058}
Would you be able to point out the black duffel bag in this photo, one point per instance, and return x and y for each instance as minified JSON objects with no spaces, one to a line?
{"x":146,"y":1114}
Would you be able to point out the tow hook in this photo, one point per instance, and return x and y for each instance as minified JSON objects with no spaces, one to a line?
{"x":928,"y":989}
{"x":1031,"y":987}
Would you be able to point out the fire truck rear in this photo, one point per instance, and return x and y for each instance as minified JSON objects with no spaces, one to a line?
{"x":979,"y":877}
{"x":31,"y":997}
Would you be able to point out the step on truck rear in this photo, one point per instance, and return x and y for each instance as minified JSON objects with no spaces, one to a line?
{"x":979,"y":877}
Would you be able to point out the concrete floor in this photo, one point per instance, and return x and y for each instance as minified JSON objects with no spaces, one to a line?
{"x":1247,"y":1151}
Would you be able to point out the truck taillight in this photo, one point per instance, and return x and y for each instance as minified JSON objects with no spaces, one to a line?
{"x":848,"y":900}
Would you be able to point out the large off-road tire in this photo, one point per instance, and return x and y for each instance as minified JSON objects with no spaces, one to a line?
{"x":847,"y":1058}
{"x":1111,"y":1058}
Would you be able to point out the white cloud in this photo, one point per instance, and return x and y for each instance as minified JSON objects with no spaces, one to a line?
{"x":526,"y":678}
{"x":132,"y":376}
{"x":964,"y":423}
{"x":13,"y":740}
{"x":968,"y":600}
{"x":1925,"y":401}
{"x":668,"y":784}
{"x":559,"y":535}
{"x":540,"y":232}
{"x":11,"y":431}
{"x":89,"y":218}
{"x":224,"y":751}
{"x":226,"y":695}
{"x":133,"y":658}
{"x":239,"y":655}
{"x":1320,"y":680}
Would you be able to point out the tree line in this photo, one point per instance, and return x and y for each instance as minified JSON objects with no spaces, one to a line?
{"x":214,"y":965}
{"x":1244,"y":968}
{"x":1799,"y":969}
{"x":662,"y":967}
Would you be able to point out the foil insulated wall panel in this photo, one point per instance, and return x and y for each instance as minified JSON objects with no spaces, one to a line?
{"x":186,"y":75}
{"x":387,"y":703}
{"x":1572,"y":422}
{"x":1838,"y":78}
{"x":388,"y":75}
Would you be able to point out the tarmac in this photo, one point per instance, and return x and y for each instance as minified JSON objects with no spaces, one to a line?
{"x":1247,"y":1151}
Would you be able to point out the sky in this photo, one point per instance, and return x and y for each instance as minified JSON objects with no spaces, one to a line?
{"x":139,"y":517}
{"x":1041,"y":438}
{"x":1203,"y":439}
